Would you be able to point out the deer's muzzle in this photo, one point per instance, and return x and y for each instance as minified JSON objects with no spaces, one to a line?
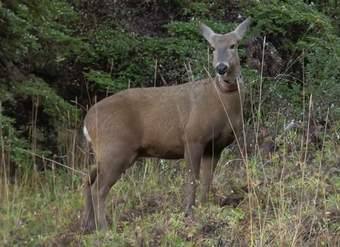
{"x":222,"y":68}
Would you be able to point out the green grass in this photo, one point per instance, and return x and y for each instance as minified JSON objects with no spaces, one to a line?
{"x":288,"y":202}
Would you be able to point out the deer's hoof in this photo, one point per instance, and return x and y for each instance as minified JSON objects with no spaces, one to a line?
{"x":103,"y":226}
{"x":87,"y":227}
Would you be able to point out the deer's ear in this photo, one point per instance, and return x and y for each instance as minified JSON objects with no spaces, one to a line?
{"x":242,"y":28}
{"x":207,"y":33}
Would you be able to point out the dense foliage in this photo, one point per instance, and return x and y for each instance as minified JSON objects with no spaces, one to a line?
{"x":310,"y":45}
{"x":56,"y":52}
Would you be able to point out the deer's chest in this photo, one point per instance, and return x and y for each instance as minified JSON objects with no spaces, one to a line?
{"x":230,"y":127}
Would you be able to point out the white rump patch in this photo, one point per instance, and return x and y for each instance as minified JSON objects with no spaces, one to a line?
{"x":86,"y":134}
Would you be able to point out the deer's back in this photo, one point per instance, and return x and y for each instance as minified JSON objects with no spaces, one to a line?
{"x":152,"y":119}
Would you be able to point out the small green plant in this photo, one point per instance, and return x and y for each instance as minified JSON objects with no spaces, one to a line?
{"x":104,"y":81}
{"x":12,"y":145}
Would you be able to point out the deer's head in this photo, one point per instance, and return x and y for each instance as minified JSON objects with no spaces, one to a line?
{"x":226,"y":61}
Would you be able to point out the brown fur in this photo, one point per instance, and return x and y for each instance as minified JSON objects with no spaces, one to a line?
{"x":158,"y":121}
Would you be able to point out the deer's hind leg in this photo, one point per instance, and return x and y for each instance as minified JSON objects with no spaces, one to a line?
{"x":110,"y":169}
{"x":88,"y":223}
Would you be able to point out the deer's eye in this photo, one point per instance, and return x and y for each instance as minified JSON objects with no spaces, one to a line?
{"x":233,"y":46}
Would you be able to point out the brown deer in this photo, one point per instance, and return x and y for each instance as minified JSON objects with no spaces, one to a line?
{"x":194,"y":121}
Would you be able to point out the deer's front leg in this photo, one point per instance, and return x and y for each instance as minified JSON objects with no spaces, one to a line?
{"x":208,"y":166}
{"x":193,"y":154}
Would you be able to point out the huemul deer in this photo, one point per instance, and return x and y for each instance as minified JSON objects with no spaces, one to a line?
{"x":194,"y":121}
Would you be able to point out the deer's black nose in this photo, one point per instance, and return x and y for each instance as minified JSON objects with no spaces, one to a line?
{"x":221,"y":68}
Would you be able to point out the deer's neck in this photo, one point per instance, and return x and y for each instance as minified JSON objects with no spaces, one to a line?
{"x":229,"y":84}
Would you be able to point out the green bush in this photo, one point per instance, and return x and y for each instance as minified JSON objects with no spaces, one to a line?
{"x":104,"y":81}
{"x":12,"y":145}
{"x":305,"y":37}
{"x":131,"y":59}
{"x":53,"y":105}
{"x":289,"y":21}
{"x":32,"y":29}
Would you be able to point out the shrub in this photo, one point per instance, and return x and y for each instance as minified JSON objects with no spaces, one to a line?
{"x":12,"y":145}
{"x":53,"y":105}
{"x":306,"y":38}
